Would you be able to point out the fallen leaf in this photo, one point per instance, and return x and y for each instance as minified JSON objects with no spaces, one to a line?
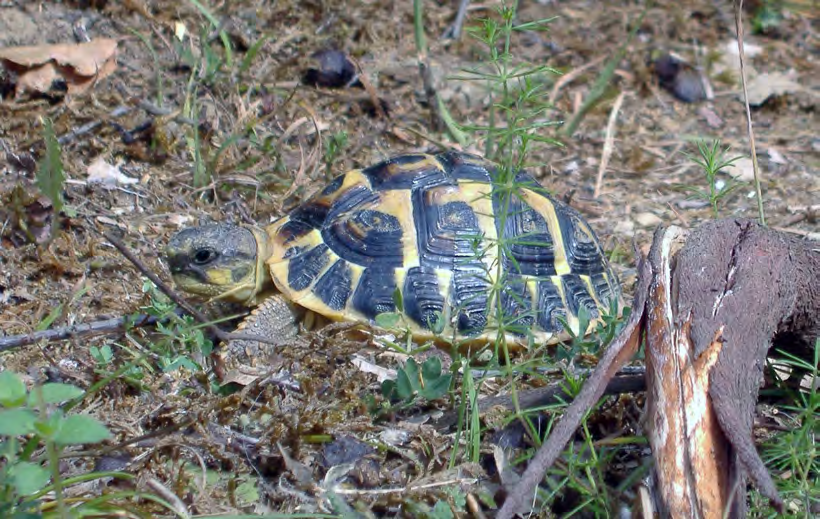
{"x":381,"y":373}
{"x":647,"y":219}
{"x":107,"y":175}
{"x":178,"y":219}
{"x":712,"y":118}
{"x":79,"y":65}
{"x":742,"y":170}
{"x":776,"y":157}
{"x":772,"y":84}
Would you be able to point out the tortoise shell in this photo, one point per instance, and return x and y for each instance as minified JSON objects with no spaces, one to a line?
{"x":426,"y":227}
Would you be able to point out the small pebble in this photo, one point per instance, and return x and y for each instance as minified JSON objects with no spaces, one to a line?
{"x":647,"y":219}
{"x":335,"y":70}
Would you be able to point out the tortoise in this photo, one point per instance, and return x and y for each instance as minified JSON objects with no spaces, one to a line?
{"x":421,"y":227}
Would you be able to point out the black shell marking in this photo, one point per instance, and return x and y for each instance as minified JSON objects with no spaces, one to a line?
{"x":351,"y":200}
{"x":469,"y":293}
{"x":366,"y":237}
{"x":550,"y":306}
{"x":334,"y":186}
{"x":312,"y":213}
{"x":293,"y":230}
{"x":516,"y":305}
{"x":422,"y":296}
{"x":602,"y":286}
{"x":446,"y":233}
{"x":530,"y":248}
{"x":404,"y":172}
{"x":582,"y":250}
{"x":333,"y":288}
{"x":374,"y":295}
{"x":578,"y":296}
{"x":303,"y":269}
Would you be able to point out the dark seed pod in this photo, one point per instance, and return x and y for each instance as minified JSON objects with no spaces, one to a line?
{"x":334,"y":71}
{"x":682,"y":80}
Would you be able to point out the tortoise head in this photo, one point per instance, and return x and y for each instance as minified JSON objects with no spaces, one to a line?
{"x":221,"y":261}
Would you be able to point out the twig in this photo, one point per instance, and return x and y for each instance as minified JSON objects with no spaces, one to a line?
{"x":538,"y":397}
{"x":608,"y":146}
{"x":741,"y":56}
{"x":116,"y":324}
{"x":454,"y":31}
{"x":402,"y":490}
{"x":93,"y":125}
{"x":570,"y":76}
{"x":371,"y":90}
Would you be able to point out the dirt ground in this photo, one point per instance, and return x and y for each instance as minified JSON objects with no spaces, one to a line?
{"x":264,"y":135}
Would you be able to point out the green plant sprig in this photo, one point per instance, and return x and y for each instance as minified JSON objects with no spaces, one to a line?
{"x":712,"y":160}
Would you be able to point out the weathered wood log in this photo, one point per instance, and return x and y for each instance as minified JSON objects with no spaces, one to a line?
{"x":730,"y":291}
{"x":710,"y":302}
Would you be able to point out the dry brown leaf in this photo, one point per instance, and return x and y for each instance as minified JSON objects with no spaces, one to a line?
{"x":773,"y":84}
{"x":80,"y":65}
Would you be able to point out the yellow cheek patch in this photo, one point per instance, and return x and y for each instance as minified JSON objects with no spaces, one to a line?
{"x":194,"y":285}
{"x":220,"y":277}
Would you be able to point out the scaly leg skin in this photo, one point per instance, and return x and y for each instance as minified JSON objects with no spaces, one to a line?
{"x":274,"y":319}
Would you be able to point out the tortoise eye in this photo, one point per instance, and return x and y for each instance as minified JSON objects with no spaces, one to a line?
{"x":204,"y":256}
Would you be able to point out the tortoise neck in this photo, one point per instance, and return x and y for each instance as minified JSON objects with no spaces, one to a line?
{"x":264,"y":249}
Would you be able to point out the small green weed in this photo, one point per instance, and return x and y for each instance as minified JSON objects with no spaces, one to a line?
{"x":767,"y":16}
{"x":24,"y":478}
{"x":35,"y":431}
{"x":793,"y":452}
{"x":334,"y":146}
{"x":51,"y":175}
{"x":182,"y":343}
{"x":414,"y":382}
{"x":105,"y":366}
{"x":712,"y":159}
{"x":590,"y":344}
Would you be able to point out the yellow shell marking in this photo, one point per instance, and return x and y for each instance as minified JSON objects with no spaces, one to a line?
{"x":546,"y":209}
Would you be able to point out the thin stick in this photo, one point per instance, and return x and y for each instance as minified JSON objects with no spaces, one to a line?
{"x":608,"y":143}
{"x":371,"y":90}
{"x":106,"y":326}
{"x":741,"y":55}
{"x":554,"y":393}
{"x":454,"y":31}
{"x":571,"y":75}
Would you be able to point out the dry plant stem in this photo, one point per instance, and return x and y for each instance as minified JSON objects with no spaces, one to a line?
{"x":571,"y":75}
{"x":542,"y":396}
{"x":106,"y":326}
{"x":622,"y":349}
{"x":172,"y":499}
{"x":454,"y":31}
{"x":752,"y":149}
{"x":371,"y":90}
{"x":608,"y":143}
